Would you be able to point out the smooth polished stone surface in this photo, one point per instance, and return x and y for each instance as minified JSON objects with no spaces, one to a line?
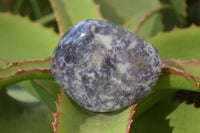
{"x":104,"y":67}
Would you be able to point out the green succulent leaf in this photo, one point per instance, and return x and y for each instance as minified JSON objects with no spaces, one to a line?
{"x":128,"y":9}
{"x":69,"y":13}
{"x":25,"y":40}
{"x":71,"y":118}
{"x":154,"y":116}
{"x":150,"y":26}
{"x":185,"y":118}
{"x":17,"y":117}
{"x":145,"y":25}
{"x":167,"y":44}
{"x":178,"y":74}
{"x":19,"y":71}
{"x":45,"y":90}
{"x":135,"y":16}
{"x":177,"y":14}
{"x":150,"y":100}
{"x":21,"y":39}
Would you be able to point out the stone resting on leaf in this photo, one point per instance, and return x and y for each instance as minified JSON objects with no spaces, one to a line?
{"x":104,"y":67}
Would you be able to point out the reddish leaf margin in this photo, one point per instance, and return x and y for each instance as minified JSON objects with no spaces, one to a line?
{"x":130,"y":120}
{"x":55,"y":115}
{"x":21,"y":74}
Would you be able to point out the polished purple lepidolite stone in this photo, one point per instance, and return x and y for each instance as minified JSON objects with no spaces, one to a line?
{"x":104,"y":67}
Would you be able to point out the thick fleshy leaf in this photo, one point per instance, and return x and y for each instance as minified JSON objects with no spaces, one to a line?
{"x":179,"y":6}
{"x":45,"y":93}
{"x":138,"y":17}
{"x":185,"y":118}
{"x":178,"y":74}
{"x":21,"y":39}
{"x":180,"y":44}
{"x":20,"y":95}
{"x":191,"y":67}
{"x":154,"y":119}
{"x":176,"y":16}
{"x":179,"y":78}
{"x":3,"y":63}
{"x":150,"y":100}
{"x":72,"y":118}
{"x":45,"y":90}
{"x":186,"y":41}
{"x":29,"y":69}
{"x":194,"y":12}
{"x":150,"y":26}
{"x":145,"y":25}
{"x":126,"y":9}
{"x":16,"y":117}
{"x":69,"y":12}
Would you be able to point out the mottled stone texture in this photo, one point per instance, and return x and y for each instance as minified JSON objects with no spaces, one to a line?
{"x":104,"y":67}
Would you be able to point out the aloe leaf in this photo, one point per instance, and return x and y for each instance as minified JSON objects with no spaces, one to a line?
{"x":150,"y":26}
{"x":170,"y":82}
{"x":17,"y":117}
{"x":69,"y":12}
{"x":127,"y":8}
{"x":193,"y":12}
{"x":137,"y":17}
{"x":191,"y":67}
{"x":19,"y":71}
{"x":3,"y":63}
{"x":21,"y":39}
{"x":83,"y":121}
{"x":20,"y":95}
{"x":167,"y":44}
{"x":150,"y":100}
{"x":145,"y":25}
{"x":180,"y":44}
{"x":185,"y":118}
{"x":176,"y":16}
{"x":174,"y":78}
{"x":45,"y":90}
{"x":154,"y":119}
{"x":26,"y":40}
{"x":177,"y":80}
{"x":43,"y":93}
{"x":180,"y":7}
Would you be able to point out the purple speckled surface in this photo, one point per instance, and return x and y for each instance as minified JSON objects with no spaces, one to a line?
{"x":104,"y":67}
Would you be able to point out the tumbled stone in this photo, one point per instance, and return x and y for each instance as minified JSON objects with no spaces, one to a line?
{"x":104,"y":67}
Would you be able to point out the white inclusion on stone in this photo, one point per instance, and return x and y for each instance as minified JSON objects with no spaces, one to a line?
{"x":65,"y":84}
{"x":132,"y":45}
{"x":128,"y":88}
{"x":82,"y":34}
{"x":96,"y":60}
{"x":116,"y":81}
{"x":61,"y":60}
{"x":123,"y":67}
{"x":103,"y":97}
{"x":93,"y":27}
{"x":106,"y":40}
{"x":110,"y":103}
{"x":78,"y":76}
{"x":58,"y":73}
{"x":91,"y":75}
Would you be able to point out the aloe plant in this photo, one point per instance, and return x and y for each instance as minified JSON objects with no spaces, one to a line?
{"x":30,"y":99}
